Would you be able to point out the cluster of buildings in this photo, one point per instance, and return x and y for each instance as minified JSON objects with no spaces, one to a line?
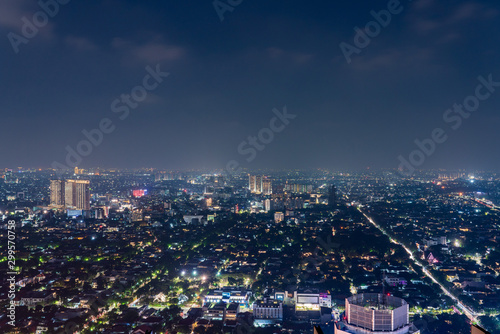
{"x":228,"y":255}
{"x":307,"y":304}
{"x":260,"y":184}
{"x":299,"y":188}
{"x":70,"y":194}
{"x":368,"y":313}
{"x":443,"y":222}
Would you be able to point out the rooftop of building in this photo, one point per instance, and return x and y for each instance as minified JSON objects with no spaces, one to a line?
{"x":376,"y":301}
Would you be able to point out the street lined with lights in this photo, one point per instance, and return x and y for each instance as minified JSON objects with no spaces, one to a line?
{"x":467,"y":311}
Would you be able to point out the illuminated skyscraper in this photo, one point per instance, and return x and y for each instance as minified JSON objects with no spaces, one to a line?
{"x":69,"y":197}
{"x":82,"y":195}
{"x":77,"y":194}
{"x":267,"y":187}
{"x":255,"y":184}
{"x":251,"y":183}
{"x":267,"y":205}
{"x":74,"y":194}
{"x":57,"y":193}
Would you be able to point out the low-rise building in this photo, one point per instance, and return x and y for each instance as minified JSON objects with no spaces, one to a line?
{"x":267,"y":313}
{"x":228,"y":295}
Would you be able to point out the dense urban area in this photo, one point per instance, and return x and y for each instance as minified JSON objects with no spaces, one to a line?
{"x":152,"y":251}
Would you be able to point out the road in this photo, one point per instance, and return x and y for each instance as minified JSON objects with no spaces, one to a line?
{"x":464,"y":308}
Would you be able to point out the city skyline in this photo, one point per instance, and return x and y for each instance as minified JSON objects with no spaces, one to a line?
{"x":197,"y":252}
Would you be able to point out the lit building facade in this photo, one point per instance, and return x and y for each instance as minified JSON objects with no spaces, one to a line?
{"x":373,"y":313}
{"x":72,"y":194}
{"x":267,"y":312}
{"x":259,"y":184}
{"x":267,"y":187}
{"x":255,"y":184}
{"x":311,"y":300}
{"x":298,"y":188}
{"x":227,"y":295}
{"x":77,"y":194}
{"x":57,"y":193}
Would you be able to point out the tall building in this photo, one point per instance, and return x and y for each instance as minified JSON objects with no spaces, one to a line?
{"x":255,"y":184}
{"x":82,"y":195}
{"x":69,"y":193}
{"x":267,"y":187}
{"x":332,"y":196}
{"x":372,"y":313}
{"x":57,"y":193}
{"x":73,"y":194}
{"x":251,"y":183}
{"x":267,"y":205}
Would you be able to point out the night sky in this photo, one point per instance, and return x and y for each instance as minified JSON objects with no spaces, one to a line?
{"x":227,"y":76}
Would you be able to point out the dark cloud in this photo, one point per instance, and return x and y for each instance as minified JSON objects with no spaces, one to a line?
{"x":226,"y":77}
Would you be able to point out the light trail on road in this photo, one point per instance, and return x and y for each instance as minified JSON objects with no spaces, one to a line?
{"x":467,"y":311}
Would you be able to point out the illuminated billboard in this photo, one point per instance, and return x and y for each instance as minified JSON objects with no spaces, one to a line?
{"x":139,"y":193}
